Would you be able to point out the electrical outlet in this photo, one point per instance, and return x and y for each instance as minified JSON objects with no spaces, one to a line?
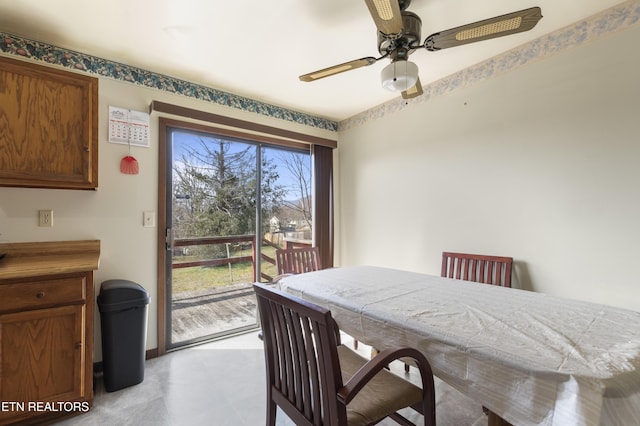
{"x":149,"y":219}
{"x":45,"y":218}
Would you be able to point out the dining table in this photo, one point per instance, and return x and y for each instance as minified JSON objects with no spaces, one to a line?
{"x":529,"y":357}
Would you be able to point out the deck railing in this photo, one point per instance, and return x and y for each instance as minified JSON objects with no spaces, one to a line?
{"x":234,"y":239}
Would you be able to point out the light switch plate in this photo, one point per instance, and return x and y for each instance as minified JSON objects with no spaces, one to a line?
{"x":149,"y":219}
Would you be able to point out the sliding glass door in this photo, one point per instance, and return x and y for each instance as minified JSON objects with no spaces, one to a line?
{"x":230,"y":204}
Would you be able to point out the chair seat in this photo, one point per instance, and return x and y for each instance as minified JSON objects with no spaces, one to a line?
{"x":385,"y":393}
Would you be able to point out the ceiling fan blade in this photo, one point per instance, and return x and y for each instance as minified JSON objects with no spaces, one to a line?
{"x":337,"y":69}
{"x":504,"y":25}
{"x":386,"y":15}
{"x":414,"y":91}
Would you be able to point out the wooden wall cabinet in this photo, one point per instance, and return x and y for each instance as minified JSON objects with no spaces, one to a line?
{"x":46,"y":329}
{"x":48,"y":127}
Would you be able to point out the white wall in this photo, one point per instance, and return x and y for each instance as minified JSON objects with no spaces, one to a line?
{"x":541,"y":163}
{"x":113,"y":213}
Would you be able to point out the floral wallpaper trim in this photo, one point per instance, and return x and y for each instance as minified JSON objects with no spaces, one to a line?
{"x":607,"y":22}
{"x":50,"y":54}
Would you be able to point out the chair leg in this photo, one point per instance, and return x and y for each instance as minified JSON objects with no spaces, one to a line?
{"x":271,"y":413}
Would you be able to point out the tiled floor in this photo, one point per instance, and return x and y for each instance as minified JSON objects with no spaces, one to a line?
{"x":223,"y":383}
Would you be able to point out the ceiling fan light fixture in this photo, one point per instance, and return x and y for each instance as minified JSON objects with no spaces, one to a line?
{"x":399,"y":75}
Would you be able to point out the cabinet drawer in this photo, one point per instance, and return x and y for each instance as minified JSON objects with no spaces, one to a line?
{"x":41,"y":293}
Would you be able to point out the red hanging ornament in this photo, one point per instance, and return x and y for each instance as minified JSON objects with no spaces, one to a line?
{"x":129,"y":165}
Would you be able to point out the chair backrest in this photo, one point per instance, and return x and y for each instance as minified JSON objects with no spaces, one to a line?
{"x":303,"y":369}
{"x":298,"y":260}
{"x":494,"y":270}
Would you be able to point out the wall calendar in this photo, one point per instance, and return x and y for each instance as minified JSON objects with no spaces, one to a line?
{"x":128,"y":127}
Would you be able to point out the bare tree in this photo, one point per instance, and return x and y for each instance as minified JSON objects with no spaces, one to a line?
{"x":218,"y":184}
{"x":300,"y":205}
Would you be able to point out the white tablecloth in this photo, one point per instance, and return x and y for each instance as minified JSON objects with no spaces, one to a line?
{"x":532,"y":359}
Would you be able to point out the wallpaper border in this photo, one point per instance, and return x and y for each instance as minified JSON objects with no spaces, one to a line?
{"x":44,"y":52}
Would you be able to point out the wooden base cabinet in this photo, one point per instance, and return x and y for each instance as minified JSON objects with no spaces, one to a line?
{"x":46,"y":347}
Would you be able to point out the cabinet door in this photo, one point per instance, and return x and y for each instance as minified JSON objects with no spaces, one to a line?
{"x":42,"y":356}
{"x":48,"y":127}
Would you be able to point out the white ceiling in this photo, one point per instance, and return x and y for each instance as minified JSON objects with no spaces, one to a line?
{"x":257,"y":48}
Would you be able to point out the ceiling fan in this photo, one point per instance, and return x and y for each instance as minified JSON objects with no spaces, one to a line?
{"x":399,"y":36}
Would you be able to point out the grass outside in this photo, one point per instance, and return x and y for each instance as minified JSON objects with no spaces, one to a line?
{"x":205,"y":277}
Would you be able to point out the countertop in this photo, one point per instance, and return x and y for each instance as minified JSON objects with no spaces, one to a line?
{"x":34,"y":259}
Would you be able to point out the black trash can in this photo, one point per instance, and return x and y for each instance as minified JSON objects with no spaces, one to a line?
{"x":123,"y":314}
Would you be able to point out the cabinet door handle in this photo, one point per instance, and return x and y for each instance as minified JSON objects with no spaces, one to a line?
{"x":40,"y":295}
{"x":79,"y":345}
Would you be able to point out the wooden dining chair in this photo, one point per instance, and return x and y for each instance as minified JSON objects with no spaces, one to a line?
{"x":297,"y":260}
{"x":479,"y":268}
{"x":315,"y":380}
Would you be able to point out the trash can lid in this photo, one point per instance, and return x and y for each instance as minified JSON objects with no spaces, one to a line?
{"x":121,"y":293}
